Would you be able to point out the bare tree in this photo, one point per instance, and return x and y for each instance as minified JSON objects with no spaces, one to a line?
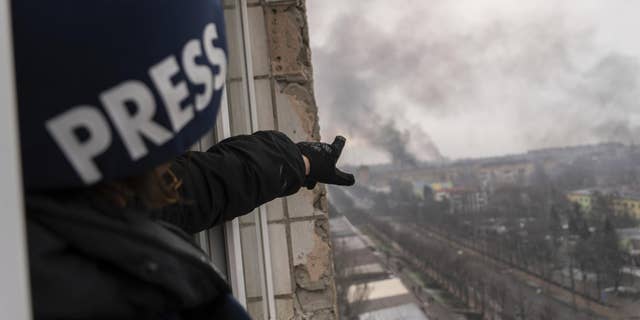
{"x":351,"y":295}
{"x":522,"y":306}
{"x":358,"y":295}
{"x":547,"y":312}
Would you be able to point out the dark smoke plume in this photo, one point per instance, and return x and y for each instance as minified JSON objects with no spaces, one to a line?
{"x":536,"y":79}
{"x":395,"y":143}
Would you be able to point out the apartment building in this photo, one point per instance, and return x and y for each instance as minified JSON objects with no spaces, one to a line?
{"x":622,"y":201}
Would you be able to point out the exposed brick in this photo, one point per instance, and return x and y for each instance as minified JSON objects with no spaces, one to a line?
{"x":289,"y":120}
{"x":301,"y":204}
{"x":309,"y":249}
{"x":303,"y":280}
{"x":275,"y":210}
{"x":297,"y":116}
{"x":322,"y":230}
{"x":305,"y":106}
{"x":291,"y":56}
{"x":328,"y":314}
{"x":311,"y":301}
{"x":284,"y":309}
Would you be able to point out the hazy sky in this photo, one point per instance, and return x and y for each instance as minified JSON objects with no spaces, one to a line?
{"x":474,"y":77}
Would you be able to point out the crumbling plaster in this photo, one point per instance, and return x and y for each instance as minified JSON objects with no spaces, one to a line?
{"x":297,"y":115}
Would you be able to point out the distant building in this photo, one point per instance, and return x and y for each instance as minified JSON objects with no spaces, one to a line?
{"x":569,"y":154}
{"x":427,"y":194}
{"x":627,"y":202}
{"x":501,"y":170}
{"x":624,"y":201}
{"x":630,"y":243}
{"x":463,"y":200}
{"x":581,"y":197}
{"x":439,"y":186}
{"x":363,"y":175}
{"x":505,"y":172}
{"x":630,"y":240}
{"x":428,"y":190}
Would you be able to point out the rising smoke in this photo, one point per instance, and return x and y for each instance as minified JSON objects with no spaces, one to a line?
{"x":533,"y":81}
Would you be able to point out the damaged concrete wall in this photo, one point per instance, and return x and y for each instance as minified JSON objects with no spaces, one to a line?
{"x":298,"y":225}
{"x":297,"y":116}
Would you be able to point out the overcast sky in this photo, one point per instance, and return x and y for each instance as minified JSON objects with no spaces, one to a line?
{"x":470,"y":78}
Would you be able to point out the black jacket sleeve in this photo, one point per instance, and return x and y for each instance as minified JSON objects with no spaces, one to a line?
{"x":232,"y":178}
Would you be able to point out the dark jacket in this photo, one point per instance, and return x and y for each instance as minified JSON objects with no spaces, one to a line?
{"x":91,"y":260}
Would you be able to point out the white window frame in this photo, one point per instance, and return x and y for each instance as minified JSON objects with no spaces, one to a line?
{"x":261,"y":216}
{"x":235,"y":266}
{"x":232,"y":228}
{"x":15,"y":299}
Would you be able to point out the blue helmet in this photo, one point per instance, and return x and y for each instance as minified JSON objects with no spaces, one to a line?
{"x":111,"y":88}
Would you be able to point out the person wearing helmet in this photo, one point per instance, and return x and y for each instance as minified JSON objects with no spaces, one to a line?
{"x":111,"y":94}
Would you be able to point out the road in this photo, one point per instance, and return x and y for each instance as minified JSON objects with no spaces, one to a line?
{"x":434,"y":309}
{"x":564,"y":298}
{"x":535,"y":295}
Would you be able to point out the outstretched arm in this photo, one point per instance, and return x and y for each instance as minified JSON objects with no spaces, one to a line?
{"x":232,"y":178}
{"x":241,"y":173}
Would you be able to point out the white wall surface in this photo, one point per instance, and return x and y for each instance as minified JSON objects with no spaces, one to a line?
{"x":14,"y":293}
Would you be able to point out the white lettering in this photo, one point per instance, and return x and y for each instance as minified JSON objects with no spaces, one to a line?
{"x":197,"y":74}
{"x":172,"y":95}
{"x":133,"y":125}
{"x":80,"y":153}
{"x":131,"y":107}
{"x":215,"y":55}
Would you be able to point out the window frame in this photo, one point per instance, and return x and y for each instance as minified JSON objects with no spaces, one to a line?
{"x":261,"y":213}
{"x":224,"y":128}
{"x":15,"y":301}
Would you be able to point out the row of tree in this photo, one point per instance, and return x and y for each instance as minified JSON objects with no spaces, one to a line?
{"x":479,"y":285}
{"x":540,"y":232}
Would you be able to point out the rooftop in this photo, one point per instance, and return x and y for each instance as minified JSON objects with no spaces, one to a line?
{"x":404,"y":312}
{"x":620,"y":192}
{"x":380,"y":289}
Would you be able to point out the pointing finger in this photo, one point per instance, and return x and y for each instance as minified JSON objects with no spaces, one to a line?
{"x":338,"y":145}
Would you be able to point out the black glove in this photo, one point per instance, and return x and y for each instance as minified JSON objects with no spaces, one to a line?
{"x":322,"y":159}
